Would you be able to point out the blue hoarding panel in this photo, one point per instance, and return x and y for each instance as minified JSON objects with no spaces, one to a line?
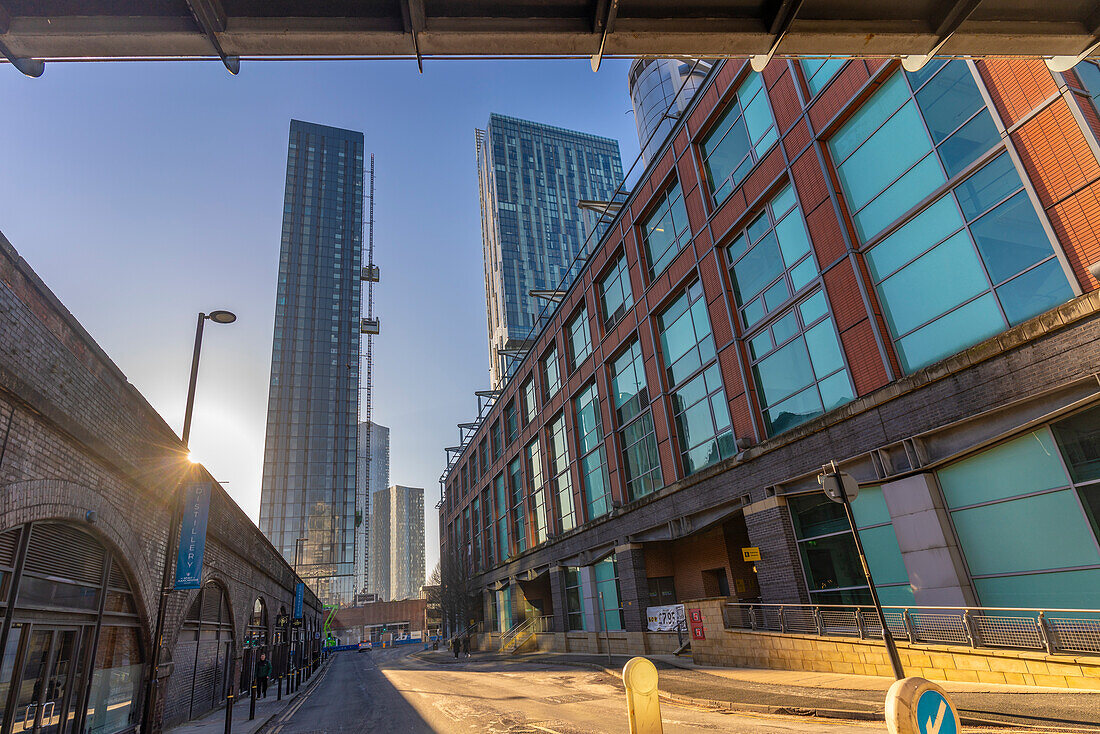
{"x":196,"y":511}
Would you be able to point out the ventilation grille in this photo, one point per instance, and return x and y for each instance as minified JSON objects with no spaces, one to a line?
{"x":9,"y":541}
{"x":118,"y":577}
{"x":63,"y":551}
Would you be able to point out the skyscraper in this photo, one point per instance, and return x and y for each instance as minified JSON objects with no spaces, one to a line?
{"x":371,"y":477}
{"x":661,"y":89}
{"x":530,"y":178}
{"x":397,"y":542}
{"x":307,"y":502}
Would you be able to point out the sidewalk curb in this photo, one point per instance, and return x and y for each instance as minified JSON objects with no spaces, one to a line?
{"x":262,"y":728}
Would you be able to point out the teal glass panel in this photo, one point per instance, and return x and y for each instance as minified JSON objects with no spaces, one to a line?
{"x":723,"y":155}
{"x":784,"y":328}
{"x":803,"y":274}
{"x":594,"y":482}
{"x":969,"y":142}
{"x":896,"y":596}
{"x":677,"y":338}
{"x":1047,"y":531}
{"x":793,"y":411}
{"x":1064,"y":590}
{"x":760,"y":345}
{"x":963,"y":327}
{"x":815,"y":514}
{"x":1036,"y":291}
{"x":902,"y":196}
{"x":782,"y":202}
{"x":870,"y":507}
{"x":776,"y":295}
{"x":813,"y":308}
{"x":1021,"y":466}
{"x":917,"y":78}
{"x":607,"y":590}
{"x":824,"y":349}
{"x":892,"y":95}
{"x":931,"y":226}
{"x":988,"y":186}
{"x":886,"y":155}
{"x":939,"y":280}
{"x":1011,"y":238}
{"x":819,"y":72}
{"x":757,"y":269}
{"x":793,"y":241}
{"x":880,"y":545}
{"x":1079,"y":439}
{"x":949,"y":99}
{"x":785,"y":372}
{"x":836,"y":391}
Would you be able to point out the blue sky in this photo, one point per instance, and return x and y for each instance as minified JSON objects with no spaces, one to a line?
{"x":143,"y":193}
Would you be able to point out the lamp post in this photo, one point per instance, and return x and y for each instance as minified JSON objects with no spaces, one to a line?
{"x":218,"y":317}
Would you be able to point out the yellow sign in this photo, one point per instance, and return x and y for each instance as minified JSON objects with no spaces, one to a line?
{"x":751,"y":554}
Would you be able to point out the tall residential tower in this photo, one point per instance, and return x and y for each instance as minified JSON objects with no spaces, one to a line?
{"x":397,"y":542}
{"x":372,"y":476}
{"x":307,"y":503}
{"x":530,"y":178}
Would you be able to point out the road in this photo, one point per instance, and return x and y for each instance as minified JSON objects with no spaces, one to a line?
{"x":391,"y":691}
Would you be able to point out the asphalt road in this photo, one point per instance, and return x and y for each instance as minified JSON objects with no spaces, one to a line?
{"x":389,"y":691}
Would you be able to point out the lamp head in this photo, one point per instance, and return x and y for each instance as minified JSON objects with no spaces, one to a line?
{"x":222,"y":317}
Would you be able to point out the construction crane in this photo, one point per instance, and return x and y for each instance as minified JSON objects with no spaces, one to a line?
{"x":369,"y":327}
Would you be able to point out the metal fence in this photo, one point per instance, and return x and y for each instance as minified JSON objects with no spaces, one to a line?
{"x":1052,"y":630}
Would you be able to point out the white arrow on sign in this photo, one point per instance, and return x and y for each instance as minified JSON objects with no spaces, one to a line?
{"x":934,"y":726}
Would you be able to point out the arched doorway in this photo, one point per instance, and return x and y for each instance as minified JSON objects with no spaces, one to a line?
{"x":255,"y":642}
{"x":203,"y":657}
{"x":71,"y":655}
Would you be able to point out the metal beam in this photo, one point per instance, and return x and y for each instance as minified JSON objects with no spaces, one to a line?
{"x":5,"y":20}
{"x":487,"y":393}
{"x":778,"y":25}
{"x":415,"y":20}
{"x":953,"y":17}
{"x":606,"y":11}
{"x":212,"y":20}
{"x":1065,"y":63}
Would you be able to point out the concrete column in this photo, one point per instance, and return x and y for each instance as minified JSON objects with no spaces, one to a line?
{"x":557,"y":599}
{"x":633,"y":585}
{"x":592,"y":620}
{"x":779,"y":569}
{"x":519,"y":615}
{"x":932,"y":558}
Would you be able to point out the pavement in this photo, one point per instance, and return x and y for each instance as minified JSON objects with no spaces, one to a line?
{"x":266,"y":709}
{"x":833,"y":695}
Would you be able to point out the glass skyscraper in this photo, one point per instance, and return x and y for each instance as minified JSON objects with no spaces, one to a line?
{"x":660,"y":90}
{"x":372,"y":476}
{"x":397,"y":542}
{"x":530,"y":178}
{"x":308,"y":496}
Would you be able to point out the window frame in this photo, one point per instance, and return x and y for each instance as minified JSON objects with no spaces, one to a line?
{"x":661,"y":206}
{"x":622,"y":277}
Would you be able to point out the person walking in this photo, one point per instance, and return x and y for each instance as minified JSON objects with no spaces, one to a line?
{"x":455,"y":645}
{"x":263,"y":672}
{"x":466,"y":645}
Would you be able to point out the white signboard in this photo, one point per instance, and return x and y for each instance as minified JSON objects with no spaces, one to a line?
{"x":665,"y":619}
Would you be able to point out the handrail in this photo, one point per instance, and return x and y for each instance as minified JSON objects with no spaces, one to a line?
{"x":1050,"y":630}
{"x":510,"y":634}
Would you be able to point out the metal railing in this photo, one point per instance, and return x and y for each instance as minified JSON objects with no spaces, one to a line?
{"x":1051,"y":630}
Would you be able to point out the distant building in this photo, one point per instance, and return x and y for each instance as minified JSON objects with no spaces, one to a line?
{"x":307,"y":499}
{"x":369,"y":477}
{"x":397,"y":542}
{"x":660,"y":90}
{"x":531,"y":177}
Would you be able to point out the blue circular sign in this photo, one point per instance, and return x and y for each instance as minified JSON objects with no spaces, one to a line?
{"x":934,"y":714}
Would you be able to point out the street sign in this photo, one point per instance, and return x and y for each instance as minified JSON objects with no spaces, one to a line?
{"x":281,"y":620}
{"x":192,"y":545}
{"x":751,"y":554}
{"x":299,"y":595}
{"x":833,"y":482}
{"x":918,"y":706}
{"x":296,"y":622}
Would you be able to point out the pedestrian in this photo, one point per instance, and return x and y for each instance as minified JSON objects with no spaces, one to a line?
{"x":466,"y":645}
{"x":455,"y":645}
{"x":263,"y":672}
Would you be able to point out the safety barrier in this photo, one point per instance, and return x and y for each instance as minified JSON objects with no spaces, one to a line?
{"x":1074,"y":631}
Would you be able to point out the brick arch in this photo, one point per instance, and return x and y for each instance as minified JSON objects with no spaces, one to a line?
{"x":38,"y":500}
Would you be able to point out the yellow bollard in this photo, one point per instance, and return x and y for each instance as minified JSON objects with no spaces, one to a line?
{"x":642,"y":706}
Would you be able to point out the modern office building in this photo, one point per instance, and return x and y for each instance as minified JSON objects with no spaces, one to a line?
{"x":397,"y":542}
{"x":308,"y":496}
{"x":660,"y":90}
{"x":370,"y":476}
{"x":530,"y":179}
{"x":824,"y":262}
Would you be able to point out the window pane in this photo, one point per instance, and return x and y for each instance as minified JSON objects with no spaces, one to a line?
{"x":819,"y":72}
{"x":1020,"y":466}
{"x":815,"y":514}
{"x":1065,"y":590}
{"x":949,"y":100}
{"x":988,"y":186}
{"x":959,"y":329}
{"x":892,"y":95}
{"x":757,"y":269}
{"x":889,"y":153}
{"x":902,"y":195}
{"x":824,"y":349}
{"x":832,"y":562}
{"x":785,"y":372}
{"x":1011,"y":238}
{"x":793,"y":411}
{"x":932,"y":225}
{"x":1035,"y":292}
{"x":966,"y":145}
{"x":1079,"y":439}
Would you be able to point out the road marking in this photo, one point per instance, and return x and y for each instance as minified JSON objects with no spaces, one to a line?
{"x":543,"y":728}
{"x":934,"y":727}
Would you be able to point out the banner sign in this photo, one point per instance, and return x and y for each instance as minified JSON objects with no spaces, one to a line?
{"x":299,"y":596}
{"x":196,"y":511}
{"x":665,"y":619}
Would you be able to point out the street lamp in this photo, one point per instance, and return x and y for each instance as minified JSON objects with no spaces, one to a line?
{"x":218,"y":317}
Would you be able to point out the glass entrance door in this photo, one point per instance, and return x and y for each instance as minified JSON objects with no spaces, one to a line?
{"x":44,"y":692}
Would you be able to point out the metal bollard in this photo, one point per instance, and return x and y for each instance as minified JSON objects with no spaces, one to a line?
{"x":252,"y":702}
{"x":228,"y":713}
{"x":643,"y":708}
{"x":280,"y":688}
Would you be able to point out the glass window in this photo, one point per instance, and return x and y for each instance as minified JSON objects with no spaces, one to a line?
{"x":519,"y":513}
{"x":537,"y":488}
{"x":686,"y":340}
{"x":116,"y":680}
{"x":497,"y":439}
{"x":819,"y":72}
{"x":608,"y":602}
{"x":741,"y":137}
{"x":665,"y":232}
{"x":551,"y":378}
{"x":502,"y":507}
{"x":510,"y":426}
{"x":580,"y":339}
{"x":1079,"y":440}
{"x":574,"y":598}
{"x":639,"y":441}
{"x":914,"y":134}
{"x":594,"y":482}
{"x":972,"y":263}
{"x":562,"y":485}
{"x":530,"y":405}
{"x":772,"y":259}
{"x":615,"y":294}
